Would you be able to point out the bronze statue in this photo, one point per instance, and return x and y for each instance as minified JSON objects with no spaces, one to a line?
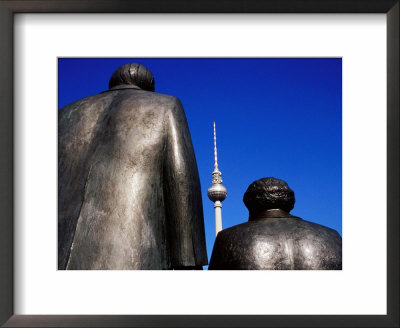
{"x":273,"y":239}
{"x":128,"y":186}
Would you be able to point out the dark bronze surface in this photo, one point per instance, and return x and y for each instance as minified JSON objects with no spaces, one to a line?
{"x":128,"y":187}
{"x":275,"y":240}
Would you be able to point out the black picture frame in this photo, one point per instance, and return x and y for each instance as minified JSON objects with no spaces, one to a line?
{"x":10,"y":7}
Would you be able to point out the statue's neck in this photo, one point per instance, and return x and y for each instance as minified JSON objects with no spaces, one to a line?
{"x":272,"y":213}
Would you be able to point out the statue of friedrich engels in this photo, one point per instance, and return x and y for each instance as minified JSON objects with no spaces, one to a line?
{"x":128,"y":186}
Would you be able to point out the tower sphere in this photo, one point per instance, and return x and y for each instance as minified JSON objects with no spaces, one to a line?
{"x":217,"y":192}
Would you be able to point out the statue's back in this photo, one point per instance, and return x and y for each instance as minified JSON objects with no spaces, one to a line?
{"x":126,"y":165}
{"x":277,"y":244}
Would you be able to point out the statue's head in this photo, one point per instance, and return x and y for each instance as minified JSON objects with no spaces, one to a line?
{"x":267,"y":194}
{"x":132,"y":74}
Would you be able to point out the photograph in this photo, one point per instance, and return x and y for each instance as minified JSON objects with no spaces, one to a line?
{"x":207,"y":164}
{"x":199,"y":163}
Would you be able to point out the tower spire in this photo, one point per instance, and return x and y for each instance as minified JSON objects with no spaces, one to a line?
{"x":215,"y":150}
{"x":217,"y":192}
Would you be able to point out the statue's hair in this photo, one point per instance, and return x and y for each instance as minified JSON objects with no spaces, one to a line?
{"x":269,"y":193}
{"x":133,"y":74}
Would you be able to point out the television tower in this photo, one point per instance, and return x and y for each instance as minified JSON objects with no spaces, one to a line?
{"x":217,"y":192}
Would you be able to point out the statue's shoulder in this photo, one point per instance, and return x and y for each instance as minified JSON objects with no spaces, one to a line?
{"x":170,"y":101}
{"x":164,"y":96}
{"x":250,"y":234}
{"x":245,"y":235}
{"x":84,"y":102}
{"x":156,"y":96}
{"x":160,"y":100}
{"x":250,"y":227}
{"x":233,"y":232}
{"x":319,"y":231}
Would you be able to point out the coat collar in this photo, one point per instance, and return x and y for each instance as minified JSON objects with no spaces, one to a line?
{"x":272,"y":213}
{"x":123,"y":86}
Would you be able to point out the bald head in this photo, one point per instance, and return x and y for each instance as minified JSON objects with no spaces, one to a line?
{"x":132,"y":74}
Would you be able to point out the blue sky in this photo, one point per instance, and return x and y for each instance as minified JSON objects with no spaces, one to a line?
{"x":275,"y":118}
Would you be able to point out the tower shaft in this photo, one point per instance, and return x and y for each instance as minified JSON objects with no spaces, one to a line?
{"x":218,"y":216}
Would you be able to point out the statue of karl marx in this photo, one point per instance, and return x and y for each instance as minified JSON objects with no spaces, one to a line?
{"x":128,"y":186}
{"x":273,"y":239}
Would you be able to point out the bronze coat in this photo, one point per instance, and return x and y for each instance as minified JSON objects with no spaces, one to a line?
{"x":128,"y":187}
{"x":277,"y":241}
